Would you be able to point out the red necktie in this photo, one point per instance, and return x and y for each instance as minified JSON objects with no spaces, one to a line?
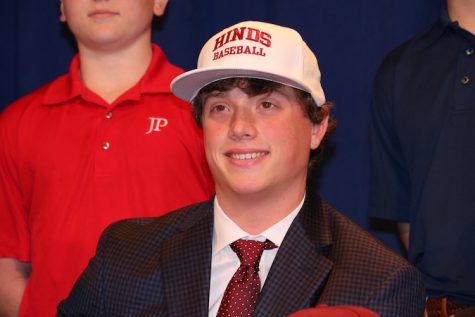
{"x":240,"y":297}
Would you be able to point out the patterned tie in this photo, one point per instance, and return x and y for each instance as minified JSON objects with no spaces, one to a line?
{"x":241,"y":294}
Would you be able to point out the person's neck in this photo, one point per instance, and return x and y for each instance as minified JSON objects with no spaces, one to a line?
{"x":463,"y":11}
{"x":110,"y":73}
{"x":254,"y":213}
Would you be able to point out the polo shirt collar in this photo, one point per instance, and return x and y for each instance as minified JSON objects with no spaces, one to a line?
{"x":156,"y":80}
{"x":441,"y":26}
{"x":445,"y":25}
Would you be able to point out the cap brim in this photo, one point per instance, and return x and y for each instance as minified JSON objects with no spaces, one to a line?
{"x":186,"y":86}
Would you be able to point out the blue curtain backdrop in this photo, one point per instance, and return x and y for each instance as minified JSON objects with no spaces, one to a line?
{"x":350,"y":38}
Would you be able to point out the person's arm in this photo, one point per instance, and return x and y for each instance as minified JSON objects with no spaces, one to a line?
{"x":404,"y":229}
{"x":13,"y":278}
{"x":14,"y":221}
{"x":390,"y":176}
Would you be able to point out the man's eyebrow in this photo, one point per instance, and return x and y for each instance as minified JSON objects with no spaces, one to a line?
{"x":213,"y":94}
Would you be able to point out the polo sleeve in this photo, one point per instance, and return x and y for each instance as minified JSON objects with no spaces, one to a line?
{"x":14,"y":231}
{"x":389,"y":181}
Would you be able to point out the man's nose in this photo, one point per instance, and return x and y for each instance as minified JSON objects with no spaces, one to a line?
{"x":242,"y":125}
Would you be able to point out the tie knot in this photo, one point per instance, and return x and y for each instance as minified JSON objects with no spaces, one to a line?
{"x":250,"y":251}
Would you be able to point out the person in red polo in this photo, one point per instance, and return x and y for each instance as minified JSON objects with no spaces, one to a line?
{"x":105,"y":141}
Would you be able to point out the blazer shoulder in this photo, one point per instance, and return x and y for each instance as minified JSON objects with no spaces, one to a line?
{"x":370,"y":269}
{"x":352,"y":241}
{"x":138,"y":232}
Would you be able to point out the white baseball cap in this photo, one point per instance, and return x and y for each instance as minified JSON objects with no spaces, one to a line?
{"x":257,"y":50}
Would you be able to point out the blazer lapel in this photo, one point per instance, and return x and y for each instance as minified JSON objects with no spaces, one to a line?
{"x":301,"y":267}
{"x":186,"y":265}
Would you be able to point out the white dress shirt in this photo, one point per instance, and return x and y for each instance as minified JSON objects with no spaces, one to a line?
{"x":225,"y":261}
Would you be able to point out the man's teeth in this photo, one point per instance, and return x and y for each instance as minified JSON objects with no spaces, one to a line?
{"x":247,"y":156}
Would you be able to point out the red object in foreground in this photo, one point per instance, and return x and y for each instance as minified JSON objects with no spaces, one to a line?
{"x":335,"y":311}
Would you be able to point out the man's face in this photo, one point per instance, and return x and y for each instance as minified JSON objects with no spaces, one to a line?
{"x":110,"y":24}
{"x":258,"y":145}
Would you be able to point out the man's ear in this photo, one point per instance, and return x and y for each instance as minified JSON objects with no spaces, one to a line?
{"x":159,"y":7}
{"x":318,"y":132}
{"x":62,"y":17}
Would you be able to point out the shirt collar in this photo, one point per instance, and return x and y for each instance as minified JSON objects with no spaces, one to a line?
{"x":227,"y":231}
{"x":445,"y":25}
{"x":441,"y":26}
{"x":156,"y":80}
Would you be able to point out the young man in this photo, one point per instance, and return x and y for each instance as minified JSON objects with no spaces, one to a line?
{"x":104,"y":142}
{"x":258,"y":97}
{"x":422,"y":154}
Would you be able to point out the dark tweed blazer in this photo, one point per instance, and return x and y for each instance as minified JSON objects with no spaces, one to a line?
{"x":161,"y":267}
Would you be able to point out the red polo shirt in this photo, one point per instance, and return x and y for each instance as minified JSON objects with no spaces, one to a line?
{"x":70,"y":164}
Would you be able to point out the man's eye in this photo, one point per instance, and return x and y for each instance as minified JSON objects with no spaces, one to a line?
{"x":267,"y":105}
{"x":218,"y":108}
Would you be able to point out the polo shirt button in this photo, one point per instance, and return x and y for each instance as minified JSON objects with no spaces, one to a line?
{"x":106,"y":145}
{"x":109,"y":115}
{"x":469,"y":51}
{"x":465,"y":80}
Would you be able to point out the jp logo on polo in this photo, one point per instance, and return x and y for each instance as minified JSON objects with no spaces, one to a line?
{"x":156,"y":124}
